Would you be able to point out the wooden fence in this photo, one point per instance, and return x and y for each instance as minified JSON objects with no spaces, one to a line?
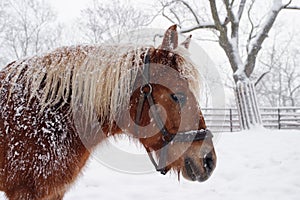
{"x":227,"y":119}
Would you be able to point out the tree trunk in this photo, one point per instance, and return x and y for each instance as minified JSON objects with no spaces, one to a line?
{"x":247,"y":104}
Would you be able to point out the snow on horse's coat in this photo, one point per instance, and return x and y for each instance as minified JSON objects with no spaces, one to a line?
{"x":49,"y":105}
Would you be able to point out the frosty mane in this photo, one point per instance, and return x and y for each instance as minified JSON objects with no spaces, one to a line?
{"x":96,"y":79}
{"x":57,"y":107}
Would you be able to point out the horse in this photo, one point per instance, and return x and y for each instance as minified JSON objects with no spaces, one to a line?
{"x":55,"y":108}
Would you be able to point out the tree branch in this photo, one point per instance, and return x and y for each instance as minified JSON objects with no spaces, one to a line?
{"x":191,"y":9}
{"x":233,"y":19}
{"x":168,"y":18}
{"x":241,"y":9}
{"x":198,"y":26}
{"x":230,"y":13}
{"x":176,"y":16}
{"x":292,"y":7}
{"x":252,"y":26}
{"x":215,"y":15}
{"x":230,"y":46}
{"x":295,"y":89}
{"x":203,"y":25}
{"x":261,"y":77}
{"x":256,"y":42}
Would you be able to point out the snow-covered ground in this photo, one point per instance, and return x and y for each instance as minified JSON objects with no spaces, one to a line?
{"x":258,"y":164}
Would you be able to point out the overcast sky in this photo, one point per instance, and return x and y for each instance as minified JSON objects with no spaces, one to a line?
{"x":288,"y":20}
{"x":68,"y":9}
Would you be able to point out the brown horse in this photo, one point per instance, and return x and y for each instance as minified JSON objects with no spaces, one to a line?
{"x":55,"y":108}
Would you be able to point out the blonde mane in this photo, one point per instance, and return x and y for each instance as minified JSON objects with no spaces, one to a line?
{"x":99,"y":79}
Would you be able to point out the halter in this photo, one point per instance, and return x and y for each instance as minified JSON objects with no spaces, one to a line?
{"x":190,"y":136}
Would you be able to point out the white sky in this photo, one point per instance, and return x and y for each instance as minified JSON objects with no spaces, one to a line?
{"x":68,"y":9}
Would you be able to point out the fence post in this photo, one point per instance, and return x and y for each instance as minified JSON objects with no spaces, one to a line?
{"x":278,"y":112}
{"x":230,"y":120}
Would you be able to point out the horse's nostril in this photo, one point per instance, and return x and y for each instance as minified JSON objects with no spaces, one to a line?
{"x":208,"y":162}
{"x":187,"y":161}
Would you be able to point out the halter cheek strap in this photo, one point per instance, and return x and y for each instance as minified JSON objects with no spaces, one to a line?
{"x":146,"y":94}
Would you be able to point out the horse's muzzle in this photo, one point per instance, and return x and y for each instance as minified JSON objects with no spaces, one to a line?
{"x":200,"y":173}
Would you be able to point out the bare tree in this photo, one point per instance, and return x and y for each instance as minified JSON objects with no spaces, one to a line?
{"x":281,"y":79}
{"x":101,"y":21}
{"x":241,"y":46}
{"x":30,"y":28}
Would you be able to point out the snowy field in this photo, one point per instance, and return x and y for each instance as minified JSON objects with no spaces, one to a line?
{"x":261,"y":164}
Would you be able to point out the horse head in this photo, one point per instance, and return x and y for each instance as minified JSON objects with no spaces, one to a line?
{"x":165,"y":112}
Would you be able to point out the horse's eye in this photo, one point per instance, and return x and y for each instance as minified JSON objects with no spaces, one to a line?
{"x":179,"y":98}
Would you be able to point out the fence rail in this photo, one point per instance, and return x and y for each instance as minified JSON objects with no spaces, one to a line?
{"x":227,"y":119}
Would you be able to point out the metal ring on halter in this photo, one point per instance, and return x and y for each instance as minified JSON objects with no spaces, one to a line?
{"x":144,"y":86}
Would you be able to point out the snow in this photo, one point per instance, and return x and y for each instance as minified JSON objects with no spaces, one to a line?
{"x":203,"y":24}
{"x":257,"y":164}
{"x":261,"y":164}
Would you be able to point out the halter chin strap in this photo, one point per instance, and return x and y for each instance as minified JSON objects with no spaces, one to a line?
{"x":190,"y":136}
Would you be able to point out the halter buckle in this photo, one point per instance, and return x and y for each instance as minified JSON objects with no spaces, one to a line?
{"x":143,"y":89}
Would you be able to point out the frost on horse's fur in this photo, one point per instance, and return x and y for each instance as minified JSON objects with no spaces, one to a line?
{"x":56,"y":107}
{"x":68,"y":78}
{"x":106,"y":70}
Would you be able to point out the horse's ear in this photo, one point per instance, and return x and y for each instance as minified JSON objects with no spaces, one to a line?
{"x":170,"y":41}
{"x":186,"y":42}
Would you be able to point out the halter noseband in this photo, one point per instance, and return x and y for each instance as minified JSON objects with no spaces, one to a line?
{"x":190,"y":136}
